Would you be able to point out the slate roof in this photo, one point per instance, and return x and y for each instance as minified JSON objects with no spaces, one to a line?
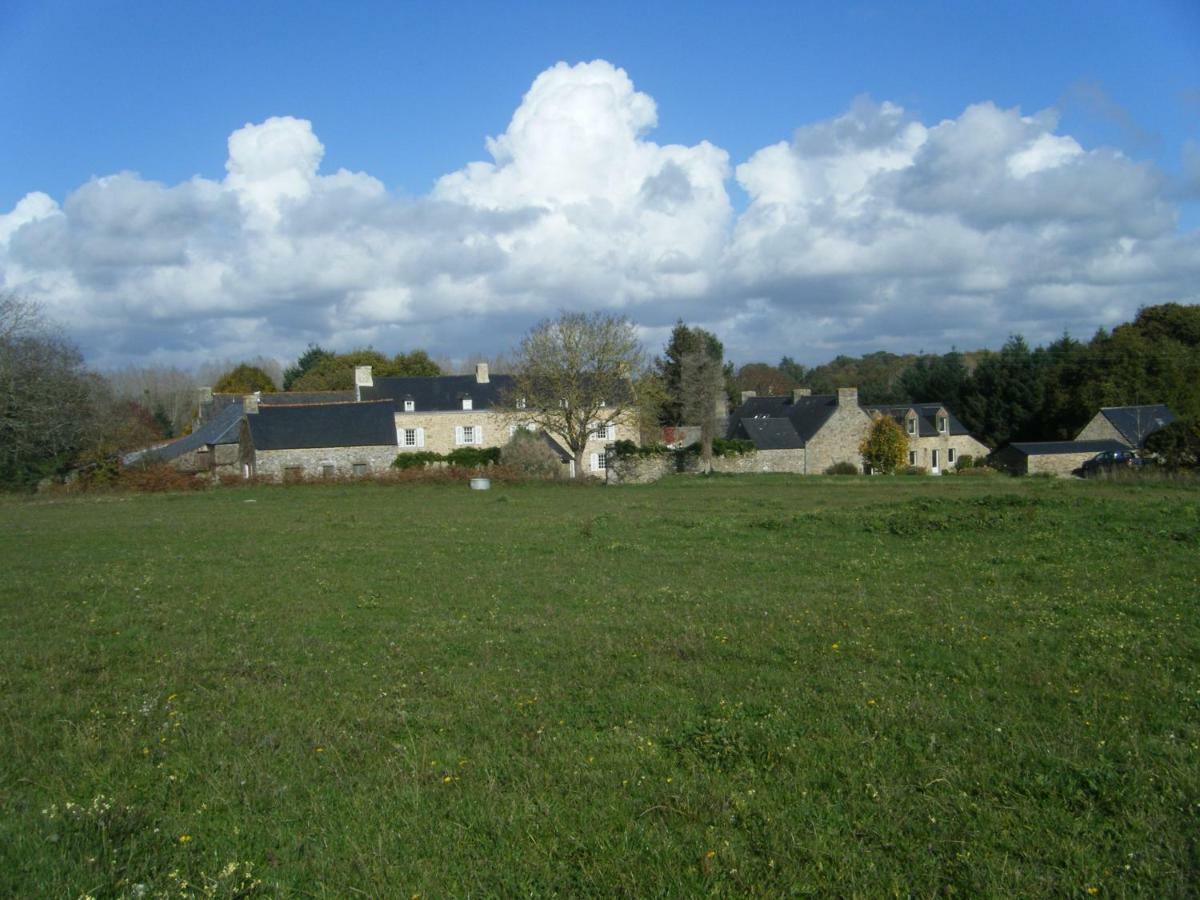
{"x":771,"y":434}
{"x":1136,"y":423}
{"x":221,"y":428}
{"x":775,"y":415}
{"x":323,"y":425}
{"x":926,"y":417}
{"x":1039,"y":448}
{"x":305,"y":398}
{"x":438,"y":393}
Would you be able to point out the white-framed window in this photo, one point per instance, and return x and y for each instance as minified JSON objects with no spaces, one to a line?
{"x":468,"y":434}
{"x":599,"y":462}
{"x":467,"y":403}
{"x":520,"y":403}
{"x":951,"y":455}
{"x":604,"y":431}
{"x":410,"y":437}
{"x":410,"y":405}
{"x":943,"y":424}
{"x":912,"y":457}
{"x":912,"y":425}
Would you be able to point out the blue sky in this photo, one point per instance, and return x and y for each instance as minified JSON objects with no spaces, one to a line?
{"x":408,"y":94}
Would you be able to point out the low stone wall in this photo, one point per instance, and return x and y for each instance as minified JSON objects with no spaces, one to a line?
{"x":647,"y":469}
{"x":639,"y":469}
{"x":761,"y":461}
{"x":310,"y":463}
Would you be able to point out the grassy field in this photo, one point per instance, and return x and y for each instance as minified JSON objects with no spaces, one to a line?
{"x":761,"y":685}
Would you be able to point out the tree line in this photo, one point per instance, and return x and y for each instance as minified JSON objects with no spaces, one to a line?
{"x":1022,"y":393}
{"x":56,"y":414}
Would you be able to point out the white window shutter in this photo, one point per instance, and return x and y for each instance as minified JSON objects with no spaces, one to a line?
{"x":595,"y":462}
{"x":399,"y":437}
{"x":458,"y":434}
{"x":479,"y":434}
{"x":612,"y":431}
{"x":420,"y":437}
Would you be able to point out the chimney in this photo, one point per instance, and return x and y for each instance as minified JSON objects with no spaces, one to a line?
{"x":250,"y":403}
{"x":848,"y":396}
{"x":746,"y":395}
{"x":362,"y":379}
{"x":797,"y":393}
{"x":481,"y":373}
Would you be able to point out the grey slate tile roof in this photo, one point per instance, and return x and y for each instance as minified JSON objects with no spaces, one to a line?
{"x":804,"y":416}
{"x":439,"y":392}
{"x":1136,"y":423}
{"x":221,"y":428}
{"x":771,"y":434}
{"x":323,"y":425}
{"x":926,"y":417}
{"x":1038,"y":448}
{"x":305,"y":398}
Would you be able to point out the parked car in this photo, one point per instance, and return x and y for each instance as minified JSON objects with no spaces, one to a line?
{"x":1108,"y":460}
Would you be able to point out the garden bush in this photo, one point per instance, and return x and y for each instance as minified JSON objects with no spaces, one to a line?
{"x":914,"y":470}
{"x":530,"y":455}
{"x":732,"y":447}
{"x":842,"y":468}
{"x":417,"y":460}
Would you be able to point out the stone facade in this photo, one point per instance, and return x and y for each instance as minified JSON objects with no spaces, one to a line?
{"x":1101,"y":429}
{"x":961,"y":444}
{"x":315,"y":462}
{"x":839,"y":438}
{"x":1061,"y":464}
{"x":437,"y":432}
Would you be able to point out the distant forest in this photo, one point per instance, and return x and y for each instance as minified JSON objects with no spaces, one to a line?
{"x":1018,"y":392}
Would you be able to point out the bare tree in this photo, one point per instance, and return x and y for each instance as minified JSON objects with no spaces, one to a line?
{"x":168,"y":392}
{"x":702,"y":397}
{"x":573,"y":374}
{"x":44,"y":394}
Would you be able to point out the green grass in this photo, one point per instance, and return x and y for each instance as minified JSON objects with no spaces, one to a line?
{"x":761,"y":685}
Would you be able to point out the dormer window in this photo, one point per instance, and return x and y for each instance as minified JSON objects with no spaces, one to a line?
{"x":943,"y":424}
{"x":467,"y":403}
{"x":912,"y":424}
{"x":520,"y":403}
{"x":410,"y":405}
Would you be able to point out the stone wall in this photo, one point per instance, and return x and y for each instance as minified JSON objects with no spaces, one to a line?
{"x":274,"y":465}
{"x":647,"y":469}
{"x":1061,"y":464}
{"x":640,"y":469}
{"x":1100,"y":429}
{"x":762,"y":461}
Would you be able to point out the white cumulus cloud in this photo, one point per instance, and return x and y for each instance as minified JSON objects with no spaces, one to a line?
{"x":871,"y":229}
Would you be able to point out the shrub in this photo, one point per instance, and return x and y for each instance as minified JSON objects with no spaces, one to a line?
{"x":529,"y":454}
{"x":914,"y":470}
{"x":158,"y":478}
{"x":732,"y":447}
{"x":473,"y":457}
{"x":966,"y":461}
{"x":842,"y":468}
{"x":978,"y":471}
{"x":417,"y":460}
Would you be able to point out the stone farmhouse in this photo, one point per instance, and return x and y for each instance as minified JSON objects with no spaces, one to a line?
{"x":1112,"y":428}
{"x":329,"y":440}
{"x":354,"y":433}
{"x":806,"y":433}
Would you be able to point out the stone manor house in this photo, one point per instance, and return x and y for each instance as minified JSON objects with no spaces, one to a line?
{"x":355,"y":433}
